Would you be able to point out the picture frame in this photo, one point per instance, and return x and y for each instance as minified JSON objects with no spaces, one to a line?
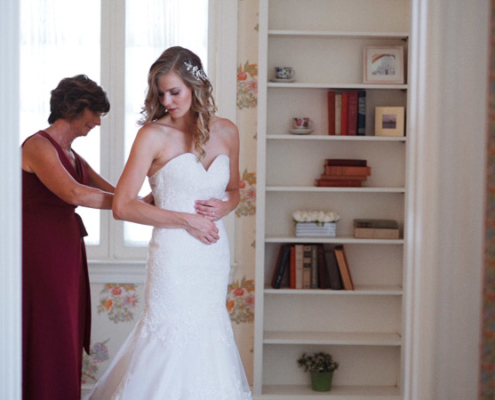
{"x":383,"y":64}
{"x":389,"y":121}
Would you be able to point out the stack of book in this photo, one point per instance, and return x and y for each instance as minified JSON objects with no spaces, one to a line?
{"x":347,"y":112}
{"x":376,"y":229}
{"x":311,"y":266}
{"x":344,"y":173}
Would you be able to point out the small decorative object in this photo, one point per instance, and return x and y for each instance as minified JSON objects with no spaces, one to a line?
{"x":284,"y":74}
{"x":383,"y":64}
{"x":316,"y":223}
{"x":301,"y":126}
{"x":389,"y":121}
{"x":321,"y":367}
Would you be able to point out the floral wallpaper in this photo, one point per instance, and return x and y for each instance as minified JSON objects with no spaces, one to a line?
{"x":118,"y":301}
{"x":487,"y":373}
{"x":240,"y":301}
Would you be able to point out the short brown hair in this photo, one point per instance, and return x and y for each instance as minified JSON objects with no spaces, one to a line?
{"x":73,"y":95}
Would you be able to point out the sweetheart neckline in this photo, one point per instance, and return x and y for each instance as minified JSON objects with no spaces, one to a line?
{"x":198,"y":162}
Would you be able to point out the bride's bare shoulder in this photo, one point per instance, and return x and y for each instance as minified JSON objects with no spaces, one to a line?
{"x":223,"y":126}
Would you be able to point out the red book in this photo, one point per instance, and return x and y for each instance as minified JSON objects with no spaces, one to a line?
{"x":345,"y":162}
{"x":338,"y":183}
{"x":329,"y":177}
{"x":331,"y":112}
{"x":347,"y":170}
{"x":345,"y":108}
{"x":352,"y":112}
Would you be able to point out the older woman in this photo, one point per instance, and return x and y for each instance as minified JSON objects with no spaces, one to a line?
{"x":56,"y":298}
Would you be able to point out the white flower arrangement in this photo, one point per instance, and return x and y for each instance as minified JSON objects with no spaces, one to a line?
{"x":318,"y":217}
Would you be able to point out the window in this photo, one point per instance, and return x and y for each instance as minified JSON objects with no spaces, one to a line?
{"x":114,"y":43}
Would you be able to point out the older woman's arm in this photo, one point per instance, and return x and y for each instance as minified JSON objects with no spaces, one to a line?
{"x":40,"y":157}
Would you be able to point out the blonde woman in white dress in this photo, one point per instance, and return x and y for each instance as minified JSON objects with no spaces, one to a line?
{"x":183,"y":347}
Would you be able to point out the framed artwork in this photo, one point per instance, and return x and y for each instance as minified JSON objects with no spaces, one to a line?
{"x":389,"y":121}
{"x":383,"y":64}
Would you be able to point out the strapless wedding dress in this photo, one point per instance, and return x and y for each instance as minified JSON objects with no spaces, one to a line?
{"x":182,"y":347}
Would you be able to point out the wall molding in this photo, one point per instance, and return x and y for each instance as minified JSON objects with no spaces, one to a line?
{"x":122,"y":271}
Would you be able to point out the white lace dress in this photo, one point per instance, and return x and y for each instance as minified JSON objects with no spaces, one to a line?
{"x":183,"y":347}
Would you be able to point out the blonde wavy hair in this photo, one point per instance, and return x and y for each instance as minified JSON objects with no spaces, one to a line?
{"x":189,"y":67}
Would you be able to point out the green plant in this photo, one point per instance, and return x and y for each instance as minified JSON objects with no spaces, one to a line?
{"x":317,"y":362}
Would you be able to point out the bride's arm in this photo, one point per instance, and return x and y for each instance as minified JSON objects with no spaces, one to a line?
{"x":127,"y":205}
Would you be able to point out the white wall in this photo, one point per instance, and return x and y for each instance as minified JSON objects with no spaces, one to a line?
{"x":449,"y":113}
{"x":10,"y":210}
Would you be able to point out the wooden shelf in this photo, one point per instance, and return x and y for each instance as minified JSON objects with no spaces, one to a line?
{"x":335,"y":189}
{"x":332,"y":338}
{"x":340,"y":34}
{"x":338,"y":239}
{"x":350,"y":138}
{"x":359,"y":290}
{"x":300,"y":392}
{"x":310,"y":85}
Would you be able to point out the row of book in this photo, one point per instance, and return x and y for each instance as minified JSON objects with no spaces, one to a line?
{"x":344,"y":173}
{"x":347,"y":112}
{"x":311,"y":266}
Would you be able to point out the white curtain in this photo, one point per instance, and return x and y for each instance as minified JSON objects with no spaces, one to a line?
{"x":59,"y":40}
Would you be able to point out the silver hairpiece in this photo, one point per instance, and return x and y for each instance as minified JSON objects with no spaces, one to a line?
{"x":198,"y":73}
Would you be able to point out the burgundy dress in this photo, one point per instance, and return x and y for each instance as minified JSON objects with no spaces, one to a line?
{"x":56,"y":311}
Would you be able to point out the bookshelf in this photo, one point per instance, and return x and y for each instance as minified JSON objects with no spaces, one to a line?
{"x":323,"y":41}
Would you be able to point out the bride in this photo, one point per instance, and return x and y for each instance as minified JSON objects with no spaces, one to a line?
{"x":183,"y":347}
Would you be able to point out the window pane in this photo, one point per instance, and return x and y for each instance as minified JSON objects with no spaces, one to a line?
{"x":152,"y":26}
{"x":58,"y":41}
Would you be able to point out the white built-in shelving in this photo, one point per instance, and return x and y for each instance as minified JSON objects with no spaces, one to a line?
{"x":323,"y":41}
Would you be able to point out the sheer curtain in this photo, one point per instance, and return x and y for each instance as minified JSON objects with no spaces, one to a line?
{"x":59,"y":40}
{"x":151,"y":27}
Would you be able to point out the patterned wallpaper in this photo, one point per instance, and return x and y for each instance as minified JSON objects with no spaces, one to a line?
{"x":117,"y":306}
{"x":487,"y":373}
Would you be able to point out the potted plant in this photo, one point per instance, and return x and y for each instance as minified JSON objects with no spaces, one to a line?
{"x":321,"y":367}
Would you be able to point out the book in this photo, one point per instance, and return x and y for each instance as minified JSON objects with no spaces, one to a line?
{"x":323,"y":277}
{"x":352,"y":112}
{"x":314,"y":266}
{"x":347,"y":170}
{"x":337,"y":183}
{"x":344,"y":270}
{"x":331,"y":112}
{"x":376,"y":229}
{"x":292,"y":274}
{"x":333,"y":271}
{"x":376,"y":223}
{"x":343,"y":178}
{"x":282,"y":266}
{"x":346,"y":162}
{"x":345,"y":105}
{"x":361,"y":119}
{"x":338,"y":114}
{"x":307,"y":254}
{"x":299,"y":256}
{"x":371,"y":233}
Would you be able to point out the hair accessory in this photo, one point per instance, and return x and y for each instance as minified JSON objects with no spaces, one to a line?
{"x":198,"y":73}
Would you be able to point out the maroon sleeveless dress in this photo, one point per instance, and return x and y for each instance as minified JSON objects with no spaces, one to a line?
{"x":56,"y":310}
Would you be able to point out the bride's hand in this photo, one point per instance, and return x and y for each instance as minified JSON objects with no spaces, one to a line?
{"x":202,"y":229}
{"x":212,"y":209}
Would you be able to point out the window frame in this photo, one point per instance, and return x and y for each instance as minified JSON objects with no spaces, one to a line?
{"x":222,"y":64}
